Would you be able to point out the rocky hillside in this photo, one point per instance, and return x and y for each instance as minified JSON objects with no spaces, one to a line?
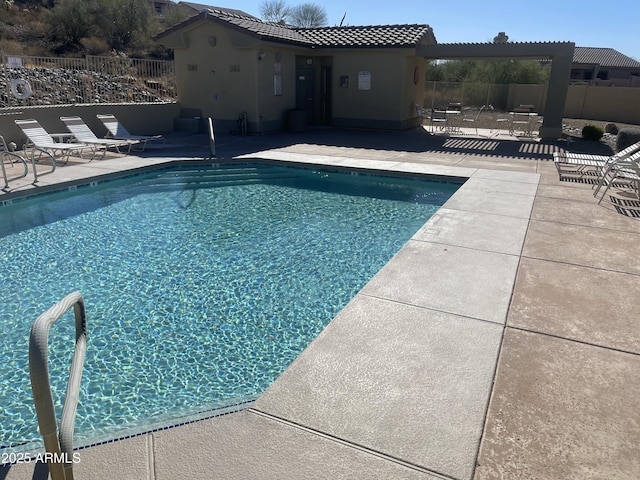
{"x":74,"y":28}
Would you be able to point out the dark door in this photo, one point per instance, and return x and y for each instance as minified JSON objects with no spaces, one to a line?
{"x":304,"y":91}
{"x":326,"y":95}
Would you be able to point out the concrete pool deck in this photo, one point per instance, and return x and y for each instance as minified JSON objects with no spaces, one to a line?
{"x":501,"y":341}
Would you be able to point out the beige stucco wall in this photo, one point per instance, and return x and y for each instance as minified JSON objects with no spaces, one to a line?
{"x":390,"y":103}
{"x":230,"y":77}
{"x":139,"y":118}
{"x":612,"y":104}
{"x":225,"y":77}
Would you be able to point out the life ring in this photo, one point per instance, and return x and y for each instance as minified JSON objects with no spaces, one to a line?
{"x":20,"y":88}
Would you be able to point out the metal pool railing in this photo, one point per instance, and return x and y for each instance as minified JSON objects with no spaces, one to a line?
{"x":13,"y":159}
{"x":59,"y":448}
{"x":37,"y":81}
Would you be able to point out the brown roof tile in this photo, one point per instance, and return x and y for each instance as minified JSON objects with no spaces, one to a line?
{"x":377,"y":36}
{"x":605,"y":57}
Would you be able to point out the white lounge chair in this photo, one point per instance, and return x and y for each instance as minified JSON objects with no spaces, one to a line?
{"x":84,"y":134}
{"x":118,"y":131}
{"x":42,"y":140}
{"x":625,"y":172}
{"x":576,"y":163}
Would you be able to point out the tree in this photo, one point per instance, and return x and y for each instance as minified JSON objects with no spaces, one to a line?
{"x":72,"y":20}
{"x":275,"y":11}
{"x":308,"y":15}
{"x":489,"y":71}
{"x":132,"y":21}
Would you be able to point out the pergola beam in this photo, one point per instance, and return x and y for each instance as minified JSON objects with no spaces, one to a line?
{"x":560,"y":53}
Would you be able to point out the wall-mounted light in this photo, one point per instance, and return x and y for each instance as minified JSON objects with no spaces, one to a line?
{"x":261,"y":55}
{"x":212,"y":41}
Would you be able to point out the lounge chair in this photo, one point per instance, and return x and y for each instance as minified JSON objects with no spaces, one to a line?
{"x":622,"y":172}
{"x":118,"y":131}
{"x":43,"y":141}
{"x":84,"y":134}
{"x":578,"y":162}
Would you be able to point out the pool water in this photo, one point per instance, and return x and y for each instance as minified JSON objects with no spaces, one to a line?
{"x":201,"y":285}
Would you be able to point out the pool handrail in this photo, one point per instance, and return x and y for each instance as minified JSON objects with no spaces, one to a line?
{"x":58,"y":447}
{"x":4,"y":151}
{"x":33,"y":163}
{"x":212,"y":138}
{"x":4,"y":170}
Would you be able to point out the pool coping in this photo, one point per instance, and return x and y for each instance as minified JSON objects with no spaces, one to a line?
{"x":491,"y":193}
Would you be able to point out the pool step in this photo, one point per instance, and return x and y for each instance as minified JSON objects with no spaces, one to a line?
{"x":203,"y":178}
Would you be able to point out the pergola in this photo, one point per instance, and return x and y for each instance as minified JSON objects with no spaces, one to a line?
{"x":560,"y":53}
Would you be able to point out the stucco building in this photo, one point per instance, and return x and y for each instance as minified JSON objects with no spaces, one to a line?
{"x":229,"y":65}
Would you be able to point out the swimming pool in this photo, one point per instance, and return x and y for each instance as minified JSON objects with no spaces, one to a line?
{"x":201,"y":284}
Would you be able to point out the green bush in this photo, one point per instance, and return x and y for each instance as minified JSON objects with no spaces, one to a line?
{"x":592,"y":132}
{"x":627,"y":137}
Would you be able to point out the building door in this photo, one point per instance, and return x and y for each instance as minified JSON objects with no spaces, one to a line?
{"x":305,"y":91}
{"x":326,"y":95}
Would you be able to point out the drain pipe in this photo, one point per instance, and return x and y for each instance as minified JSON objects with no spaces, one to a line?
{"x":212,"y":139}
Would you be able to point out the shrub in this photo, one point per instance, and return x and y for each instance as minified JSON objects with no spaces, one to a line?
{"x":627,"y":137}
{"x":95,"y":45}
{"x":592,"y":132}
{"x":611,"y":128}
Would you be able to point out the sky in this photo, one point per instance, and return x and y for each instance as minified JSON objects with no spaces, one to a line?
{"x":587,"y":23}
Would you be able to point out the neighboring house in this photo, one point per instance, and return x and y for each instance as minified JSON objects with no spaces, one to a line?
{"x":199,"y":7}
{"x":230,"y":66}
{"x":604,"y":66}
{"x":161,"y":7}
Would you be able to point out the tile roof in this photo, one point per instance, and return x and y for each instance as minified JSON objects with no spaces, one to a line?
{"x":605,"y":57}
{"x":368,"y":36}
{"x":377,"y":36}
{"x":198,"y":7}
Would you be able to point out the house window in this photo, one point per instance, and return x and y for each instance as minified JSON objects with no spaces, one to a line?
{"x":192,"y":67}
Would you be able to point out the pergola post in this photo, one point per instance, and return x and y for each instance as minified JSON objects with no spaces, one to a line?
{"x":562,"y":60}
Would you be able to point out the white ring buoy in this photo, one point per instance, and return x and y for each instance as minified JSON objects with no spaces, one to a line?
{"x":20,"y":88}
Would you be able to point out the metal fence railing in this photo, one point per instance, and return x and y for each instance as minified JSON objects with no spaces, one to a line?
{"x":474,"y":95}
{"x":36,"y":81}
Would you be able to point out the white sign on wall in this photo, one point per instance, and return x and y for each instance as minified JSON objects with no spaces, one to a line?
{"x":364,"y":80}
{"x":14,"y":62}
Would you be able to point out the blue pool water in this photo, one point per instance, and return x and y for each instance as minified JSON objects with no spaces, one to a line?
{"x":201,"y":285}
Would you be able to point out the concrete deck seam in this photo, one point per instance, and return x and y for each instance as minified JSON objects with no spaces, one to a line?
{"x":586,"y":226}
{"x":581,"y":265}
{"x":466,"y":247}
{"x":497,"y":363}
{"x":349,"y":444}
{"x":486,"y":213}
{"x":485,"y":416}
{"x":151,"y":457}
{"x":422,"y":307}
{"x":574,"y":340}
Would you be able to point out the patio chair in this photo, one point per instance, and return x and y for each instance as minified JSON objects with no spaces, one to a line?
{"x":84,"y":134}
{"x":438,"y":119}
{"x":42,"y":140}
{"x":578,"y":162}
{"x":118,"y":131}
{"x":474,"y":119}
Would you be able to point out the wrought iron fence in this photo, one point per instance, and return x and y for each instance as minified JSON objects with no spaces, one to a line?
{"x":35,"y":81}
